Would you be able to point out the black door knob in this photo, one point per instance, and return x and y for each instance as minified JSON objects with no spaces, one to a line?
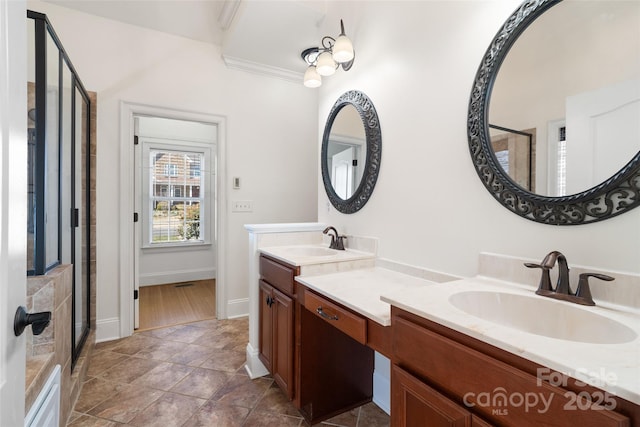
{"x":38,"y":321}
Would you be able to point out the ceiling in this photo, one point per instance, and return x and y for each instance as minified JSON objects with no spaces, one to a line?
{"x":265,"y":36}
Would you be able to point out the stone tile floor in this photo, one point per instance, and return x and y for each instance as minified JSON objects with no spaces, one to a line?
{"x":190,"y":376}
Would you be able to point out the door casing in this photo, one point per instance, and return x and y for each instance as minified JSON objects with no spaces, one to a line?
{"x":127,"y":272}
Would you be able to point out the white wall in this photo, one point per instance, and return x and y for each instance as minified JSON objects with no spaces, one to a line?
{"x":269,"y":122}
{"x":417,"y":62}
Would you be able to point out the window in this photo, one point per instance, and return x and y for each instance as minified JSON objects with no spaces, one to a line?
{"x":562,"y":161}
{"x":170,"y":170}
{"x":194,"y":170}
{"x":176,"y":207}
{"x":556,"y":185}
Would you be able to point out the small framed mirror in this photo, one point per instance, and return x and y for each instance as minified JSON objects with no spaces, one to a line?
{"x":351,"y":151}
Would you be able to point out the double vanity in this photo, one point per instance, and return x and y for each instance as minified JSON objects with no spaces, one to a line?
{"x":340,"y":328}
{"x":464,"y":351}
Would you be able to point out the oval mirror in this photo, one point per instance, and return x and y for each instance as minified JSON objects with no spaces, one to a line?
{"x":553,"y":118}
{"x":351,"y":148}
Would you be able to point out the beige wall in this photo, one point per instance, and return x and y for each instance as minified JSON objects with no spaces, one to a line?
{"x":417,"y":62}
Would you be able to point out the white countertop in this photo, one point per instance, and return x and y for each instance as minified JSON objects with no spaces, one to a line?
{"x":360,"y":289}
{"x":614,"y":368}
{"x":370,"y":291}
{"x":288,"y":255}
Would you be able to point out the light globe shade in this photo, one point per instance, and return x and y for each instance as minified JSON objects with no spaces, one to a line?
{"x":326,"y":66}
{"x":343,"y":50}
{"x":312,"y":78}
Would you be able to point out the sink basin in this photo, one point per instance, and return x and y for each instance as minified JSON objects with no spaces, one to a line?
{"x":540,"y":316}
{"x":310,"y":251}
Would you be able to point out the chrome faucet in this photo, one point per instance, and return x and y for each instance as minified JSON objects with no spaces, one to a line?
{"x":337,"y":241}
{"x":563,"y":290}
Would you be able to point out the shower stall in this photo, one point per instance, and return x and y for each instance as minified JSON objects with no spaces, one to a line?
{"x":60,"y":188}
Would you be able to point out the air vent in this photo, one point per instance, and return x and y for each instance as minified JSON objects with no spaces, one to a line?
{"x":184,"y":285}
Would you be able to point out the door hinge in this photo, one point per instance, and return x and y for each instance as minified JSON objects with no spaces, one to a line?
{"x":135,"y":294}
{"x":75,"y":217}
{"x":135,"y":140}
{"x":354,"y":162}
{"x":135,"y":217}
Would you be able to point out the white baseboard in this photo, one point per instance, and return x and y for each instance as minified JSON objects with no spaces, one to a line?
{"x":382,"y":392}
{"x":107,"y":329}
{"x":382,"y":383}
{"x":160,"y":278}
{"x":254,"y":366}
{"x":237,"y":308}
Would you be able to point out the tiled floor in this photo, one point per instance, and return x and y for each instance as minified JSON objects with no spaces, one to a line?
{"x":191,"y":376}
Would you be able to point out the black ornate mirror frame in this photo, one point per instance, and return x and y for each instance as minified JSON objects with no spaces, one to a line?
{"x":618,"y":194}
{"x":371,"y":124}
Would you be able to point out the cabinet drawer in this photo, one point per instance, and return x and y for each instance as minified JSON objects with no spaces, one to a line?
{"x":491,"y":388}
{"x":278,"y":275}
{"x":346,"y":321}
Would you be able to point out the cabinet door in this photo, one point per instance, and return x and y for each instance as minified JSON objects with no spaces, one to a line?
{"x":283,"y":327}
{"x":478,"y":422}
{"x":266,"y":325}
{"x":414,"y":404}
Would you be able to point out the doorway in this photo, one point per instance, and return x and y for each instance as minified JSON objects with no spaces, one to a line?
{"x":127,"y":274}
{"x":175,"y":201}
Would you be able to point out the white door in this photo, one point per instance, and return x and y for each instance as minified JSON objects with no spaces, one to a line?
{"x":603,"y":133}
{"x":342,"y":173}
{"x":13,"y":206}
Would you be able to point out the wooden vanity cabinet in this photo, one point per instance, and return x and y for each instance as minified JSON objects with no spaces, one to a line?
{"x":324,"y":367}
{"x":277,"y":321}
{"x":335,"y":371}
{"x":441,"y":377}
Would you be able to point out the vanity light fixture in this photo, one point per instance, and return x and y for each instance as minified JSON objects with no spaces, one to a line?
{"x":325,"y":60}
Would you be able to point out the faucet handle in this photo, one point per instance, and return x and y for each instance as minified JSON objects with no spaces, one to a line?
{"x":340,"y":242}
{"x":545,"y":279}
{"x":584,"y":292}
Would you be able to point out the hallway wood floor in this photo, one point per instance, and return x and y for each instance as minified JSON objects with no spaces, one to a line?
{"x":177,"y":303}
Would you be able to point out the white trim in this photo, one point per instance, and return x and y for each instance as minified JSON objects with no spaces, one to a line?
{"x":382,"y":382}
{"x":126,"y":270}
{"x":238,"y":308}
{"x":265,"y":70}
{"x":108,"y":329}
{"x":254,"y":367}
{"x":228,"y":12}
{"x":176,"y":276}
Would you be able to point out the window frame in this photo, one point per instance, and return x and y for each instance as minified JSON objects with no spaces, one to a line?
{"x":206,"y":195}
